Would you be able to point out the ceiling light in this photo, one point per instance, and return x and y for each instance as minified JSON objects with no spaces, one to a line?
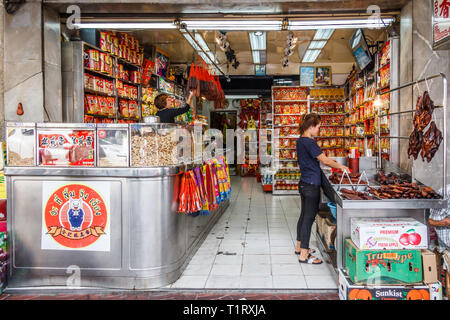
{"x":339,"y":24}
{"x":191,"y":41}
{"x":317,"y":44}
{"x":256,"y":57}
{"x":323,"y":34}
{"x":258,"y":33}
{"x":257,"y":42}
{"x":126,"y":25}
{"x":201,"y":42}
{"x":257,"y":25}
{"x":310,"y":56}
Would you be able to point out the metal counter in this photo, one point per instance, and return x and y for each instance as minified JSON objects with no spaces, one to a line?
{"x":150,"y":243}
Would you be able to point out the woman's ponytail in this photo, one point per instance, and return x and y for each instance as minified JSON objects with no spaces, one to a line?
{"x":309,"y":120}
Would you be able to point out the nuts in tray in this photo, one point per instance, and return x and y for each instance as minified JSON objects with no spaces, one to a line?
{"x":14,"y":159}
{"x":152,"y":149}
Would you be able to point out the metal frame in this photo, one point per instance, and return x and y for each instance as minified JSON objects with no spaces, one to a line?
{"x":444,"y":147}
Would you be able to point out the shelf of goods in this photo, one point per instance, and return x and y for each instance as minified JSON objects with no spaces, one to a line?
{"x":101,"y":186}
{"x":111,"y":81}
{"x":289,"y":104}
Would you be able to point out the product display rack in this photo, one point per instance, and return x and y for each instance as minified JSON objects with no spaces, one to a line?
{"x":266,"y":123}
{"x":287,"y":167}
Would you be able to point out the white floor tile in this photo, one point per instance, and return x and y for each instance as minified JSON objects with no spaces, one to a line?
{"x":222,"y":259}
{"x":286,"y":269}
{"x":289,"y":282}
{"x":202,"y":259}
{"x":282,"y":250}
{"x":232,"y":249}
{"x":190,"y":282}
{"x":284,"y":259}
{"x":223,"y":282}
{"x":253,"y":282}
{"x":256,"y":269}
{"x":256,"y":259}
{"x":314,"y":270}
{"x":226,"y":270}
{"x":197,"y":270}
{"x":281,"y":243}
{"x":257,"y":249}
{"x":321,"y":282}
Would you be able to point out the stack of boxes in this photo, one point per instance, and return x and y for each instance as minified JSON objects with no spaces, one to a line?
{"x":388,"y":258}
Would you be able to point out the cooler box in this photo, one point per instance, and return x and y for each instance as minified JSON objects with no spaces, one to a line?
{"x":350,"y":291}
{"x":382,"y":266}
{"x":389,"y":233}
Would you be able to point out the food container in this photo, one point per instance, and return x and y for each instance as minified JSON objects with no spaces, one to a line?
{"x":66,"y":145}
{"x":21,"y":139}
{"x":112,"y":145}
{"x":154,"y":145}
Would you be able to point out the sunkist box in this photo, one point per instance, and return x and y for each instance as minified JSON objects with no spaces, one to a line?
{"x":382,"y":266}
{"x":350,"y":291}
{"x":389,"y":233}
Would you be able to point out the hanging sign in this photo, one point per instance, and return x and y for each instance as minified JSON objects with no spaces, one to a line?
{"x":441,"y":24}
{"x":75,"y":216}
{"x":307,"y":76}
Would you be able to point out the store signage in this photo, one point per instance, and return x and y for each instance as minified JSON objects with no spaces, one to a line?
{"x":260,"y":69}
{"x":75,"y":216}
{"x":307,"y":76}
{"x":441,"y":24}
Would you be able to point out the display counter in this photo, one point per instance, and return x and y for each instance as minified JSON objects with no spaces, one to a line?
{"x":115,"y":227}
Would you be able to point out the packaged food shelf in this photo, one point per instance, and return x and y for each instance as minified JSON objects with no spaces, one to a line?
{"x":287,"y":100}
{"x":99,"y":73}
{"x":98,"y":93}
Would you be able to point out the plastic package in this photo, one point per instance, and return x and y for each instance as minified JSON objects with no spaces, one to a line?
{"x":20,"y":142}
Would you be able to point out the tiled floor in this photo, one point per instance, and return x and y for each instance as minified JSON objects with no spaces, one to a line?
{"x":252,"y":246}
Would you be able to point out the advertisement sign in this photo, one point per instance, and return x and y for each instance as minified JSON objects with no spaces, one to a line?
{"x":307,"y":76}
{"x":441,"y":24}
{"x":66,"y":147}
{"x":75,"y":216}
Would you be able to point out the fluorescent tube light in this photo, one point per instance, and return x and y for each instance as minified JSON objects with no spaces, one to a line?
{"x":338,"y":24}
{"x":257,"y":42}
{"x":310,"y":56}
{"x":125,"y":25}
{"x":256,"y":57}
{"x":191,"y":41}
{"x":201,"y":42}
{"x":317,"y":44}
{"x":323,"y":34}
{"x":257,"y":25}
{"x":243,"y":96}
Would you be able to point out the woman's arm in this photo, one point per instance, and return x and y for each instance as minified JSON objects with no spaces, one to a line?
{"x":331,"y":163}
{"x":440,"y":223}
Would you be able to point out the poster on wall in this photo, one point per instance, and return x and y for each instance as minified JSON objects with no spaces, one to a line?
{"x":76,"y":216}
{"x":162,"y":60}
{"x":322,"y":76}
{"x":306,"y":76}
{"x":441,"y":24}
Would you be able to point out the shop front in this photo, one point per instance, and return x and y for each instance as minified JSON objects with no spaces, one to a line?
{"x":96,"y":183}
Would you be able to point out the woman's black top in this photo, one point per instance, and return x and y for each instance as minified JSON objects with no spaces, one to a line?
{"x":168,"y":115}
{"x":307,"y":153}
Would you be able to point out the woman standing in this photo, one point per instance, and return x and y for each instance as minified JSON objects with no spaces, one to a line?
{"x":167,"y":114}
{"x":311,"y":180}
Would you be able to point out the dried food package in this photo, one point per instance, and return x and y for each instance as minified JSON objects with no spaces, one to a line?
{"x":112,"y":146}
{"x":20,"y":144}
{"x":295,"y":109}
{"x":314,"y":108}
{"x":278,"y":108}
{"x":66,"y":147}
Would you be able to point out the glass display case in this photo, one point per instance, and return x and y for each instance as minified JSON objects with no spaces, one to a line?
{"x":65,"y":145}
{"x":112,"y":145}
{"x":154,"y":145}
{"x":21,"y":139}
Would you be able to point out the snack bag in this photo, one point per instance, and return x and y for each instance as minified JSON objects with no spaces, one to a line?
{"x":277,"y":120}
{"x":322,"y":108}
{"x":292,"y":120}
{"x":284,"y":120}
{"x":295,"y":109}
{"x":285,"y":131}
{"x":278,"y":109}
{"x":314,"y":108}
{"x":295,"y":131}
{"x":326,"y":143}
{"x":111,"y":106}
{"x":286,"y":109}
{"x":320,"y":143}
{"x":123,"y":105}
{"x":103,"y":106}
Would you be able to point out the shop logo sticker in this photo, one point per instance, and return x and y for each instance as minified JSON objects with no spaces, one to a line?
{"x":75,"y":216}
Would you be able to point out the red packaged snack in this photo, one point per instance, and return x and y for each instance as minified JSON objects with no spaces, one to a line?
{"x":322,"y":108}
{"x":285,"y":131}
{"x":123,"y":105}
{"x":295,"y":109}
{"x":92,"y":104}
{"x":285,"y":120}
{"x":340,"y":107}
{"x":320,"y":143}
{"x":339,"y":131}
{"x":286,"y":109}
{"x":330,"y":107}
{"x":100,"y":85}
{"x":331,"y":153}
{"x":103,"y":105}
{"x":314,"y":108}
{"x":277,"y":120}
{"x":111,"y":106}
{"x":303,"y":108}
{"x":295,"y":131}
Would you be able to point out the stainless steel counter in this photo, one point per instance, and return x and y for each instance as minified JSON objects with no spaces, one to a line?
{"x":150,"y":243}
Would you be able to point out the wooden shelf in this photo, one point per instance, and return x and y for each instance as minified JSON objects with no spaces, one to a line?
{"x":100,"y":116}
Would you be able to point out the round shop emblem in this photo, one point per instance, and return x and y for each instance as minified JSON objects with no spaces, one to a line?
{"x":75,"y":216}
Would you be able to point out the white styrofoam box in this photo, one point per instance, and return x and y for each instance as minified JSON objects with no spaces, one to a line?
{"x":388,"y":233}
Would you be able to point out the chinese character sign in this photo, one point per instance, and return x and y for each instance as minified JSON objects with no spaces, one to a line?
{"x":441,"y":21}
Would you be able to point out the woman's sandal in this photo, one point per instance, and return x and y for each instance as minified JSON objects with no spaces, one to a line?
{"x":310,"y":260}
{"x":310,"y":251}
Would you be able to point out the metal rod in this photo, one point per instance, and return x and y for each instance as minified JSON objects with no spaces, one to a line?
{"x":209,"y":58}
{"x":395,"y":137}
{"x":401,"y":112}
{"x":411,"y":83}
{"x":444,"y":102}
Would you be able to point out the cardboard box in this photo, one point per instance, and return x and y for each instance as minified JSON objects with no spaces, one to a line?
{"x":389,"y":233}
{"x":350,"y":291}
{"x":382,"y":266}
{"x":429,"y":267}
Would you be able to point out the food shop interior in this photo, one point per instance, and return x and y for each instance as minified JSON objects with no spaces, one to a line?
{"x":217,"y":223}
